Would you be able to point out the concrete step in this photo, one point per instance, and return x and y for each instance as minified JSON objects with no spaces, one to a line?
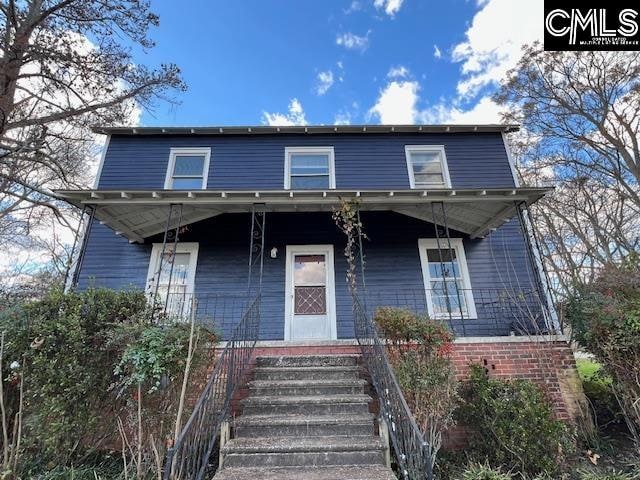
{"x":306,"y":404}
{"x":308,"y":361}
{"x":303,"y":451}
{"x":303,"y":425}
{"x":349,"y":472}
{"x":306,"y":387}
{"x":306,"y":373}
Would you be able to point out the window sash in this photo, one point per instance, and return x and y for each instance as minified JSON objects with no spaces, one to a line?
{"x":180,"y":168}
{"x":309,"y":168}
{"x":427,"y":166}
{"x":447,"y":283}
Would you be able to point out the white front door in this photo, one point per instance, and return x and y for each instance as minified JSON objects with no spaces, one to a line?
{"x":310,"y":306}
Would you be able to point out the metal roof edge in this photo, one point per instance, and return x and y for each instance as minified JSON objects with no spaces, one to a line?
{"x":307,"y":130}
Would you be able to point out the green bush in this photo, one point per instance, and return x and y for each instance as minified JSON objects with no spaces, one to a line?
{"x":79,"y":354}
{"x":605,"y":319}
{"x":482,"y":471}
{"x":511,"y":424}
{"x":597,"y":385}
{"x":419,"y":351}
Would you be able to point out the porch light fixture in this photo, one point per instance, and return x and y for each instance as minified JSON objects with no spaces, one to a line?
{"x":274,"y":252}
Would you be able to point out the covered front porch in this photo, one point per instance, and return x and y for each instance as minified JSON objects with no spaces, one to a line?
{"x":461,"y":256}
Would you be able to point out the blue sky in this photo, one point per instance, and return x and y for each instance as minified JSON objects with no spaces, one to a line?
{"x":322,"y":62}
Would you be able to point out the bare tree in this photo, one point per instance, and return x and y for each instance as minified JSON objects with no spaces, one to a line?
{"x":580,"y":113}
{"x":65,"y":65}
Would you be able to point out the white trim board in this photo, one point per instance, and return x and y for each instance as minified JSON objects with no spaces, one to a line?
{"x":409,"y":149}
{"x":457,"y":244}
{"x":327,"y":150}
{"x":195,"y":151}
{"x":326,"y":250}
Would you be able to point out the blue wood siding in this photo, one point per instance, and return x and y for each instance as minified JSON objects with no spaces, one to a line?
{"x":392,"y":263}
{"x":257,"y":162}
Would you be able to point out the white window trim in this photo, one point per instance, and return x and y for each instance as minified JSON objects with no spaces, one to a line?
{"x":288,"y":151}
{"x":182,"y":247}
{"x":409,"y":149}
{"x":175,"y":151}
{"x":456,"y":243}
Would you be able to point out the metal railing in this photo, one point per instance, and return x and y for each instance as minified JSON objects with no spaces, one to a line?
{"x":478,"y":311}
{"x":190,"y":458}
{"x":219,"y":312}
{"x":412,"y":452}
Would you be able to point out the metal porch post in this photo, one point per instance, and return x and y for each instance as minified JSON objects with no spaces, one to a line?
{"x":361,"y":255}
{"x":446,"y":289}
{"x":83,"y":246}
{"x":175,"y":246}
{"x":540,"y":272}
{"x":256,"y":246}
{"x":159,"y":270}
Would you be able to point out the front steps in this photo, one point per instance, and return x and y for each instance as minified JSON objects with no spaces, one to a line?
{"x":306,"y":418}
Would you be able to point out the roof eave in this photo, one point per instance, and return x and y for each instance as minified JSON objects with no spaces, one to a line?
{"x":308,"y":130}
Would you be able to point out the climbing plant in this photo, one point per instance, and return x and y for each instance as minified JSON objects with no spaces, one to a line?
{"x":347,"y":219}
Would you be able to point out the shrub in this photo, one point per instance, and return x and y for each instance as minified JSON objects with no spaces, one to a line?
{"x":597,"y":385}
{"x":511,"y":424}
{"x":605,"y":319}
{"x":419,"y":352}
{"x":79,"y":353}
{"x":482,"y":471}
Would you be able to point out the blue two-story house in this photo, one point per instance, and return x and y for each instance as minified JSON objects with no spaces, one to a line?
{"x":234,"y":227}
{"x":444,"y":217}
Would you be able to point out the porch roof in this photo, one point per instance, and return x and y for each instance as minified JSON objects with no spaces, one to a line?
{"x":139,"y":214}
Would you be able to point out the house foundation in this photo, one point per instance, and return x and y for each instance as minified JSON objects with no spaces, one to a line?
{"x":548,"y":361}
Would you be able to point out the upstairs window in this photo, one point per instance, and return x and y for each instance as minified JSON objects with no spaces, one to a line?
{"x":188,"y":169}
{"x":427,"y":166}
{"x":309,"y":168}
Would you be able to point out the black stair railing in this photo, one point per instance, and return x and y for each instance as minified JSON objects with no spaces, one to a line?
{"x":412,"y":452}
{"x":190,"y":458}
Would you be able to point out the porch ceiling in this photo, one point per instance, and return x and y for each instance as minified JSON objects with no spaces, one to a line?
{"x":138,"y":214}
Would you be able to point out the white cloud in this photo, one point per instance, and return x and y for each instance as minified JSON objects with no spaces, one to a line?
{"x":397,"y":103}
{"x":325,"y":81}
{"x":351,"y":41}
{"x":342,"y":118}
{"x":355,"y":6}
{"x":494,"y":41}
{"x":390,"y":7}
{"x":437,"y":53}
{"x":294,"y":116}
{"x":398,"y":72}
{"x":484,"y":111}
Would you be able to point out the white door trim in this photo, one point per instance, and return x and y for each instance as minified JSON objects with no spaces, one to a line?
{"x":327,"y":250}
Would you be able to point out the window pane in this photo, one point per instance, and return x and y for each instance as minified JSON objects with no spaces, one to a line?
{"x":428,"y":179}
{"x":316,"y":164}
{"x":319,"y":181}
{"x":427,"y":168}
{"x":310,"y":301}
{"x":189,"y":165}
{"x":180,"y":269}
{"x":187,"y":183}
{"x":435,"y":255}
{"x":309,"y":270}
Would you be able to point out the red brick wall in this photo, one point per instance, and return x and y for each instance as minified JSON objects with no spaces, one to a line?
{"x":550,"y":364}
